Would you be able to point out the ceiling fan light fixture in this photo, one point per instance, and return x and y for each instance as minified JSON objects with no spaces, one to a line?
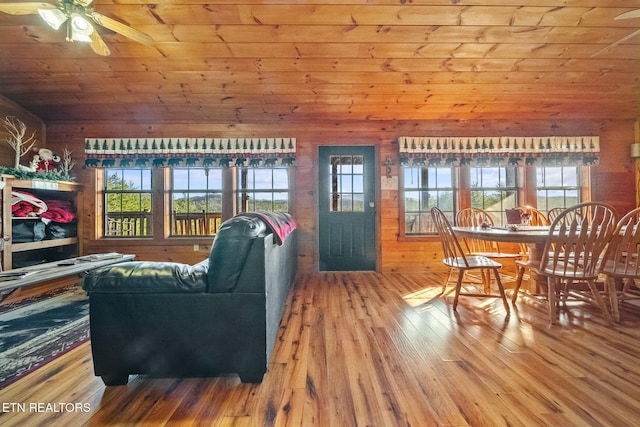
{"x":53,"y":17}
{"x":81,"y":28}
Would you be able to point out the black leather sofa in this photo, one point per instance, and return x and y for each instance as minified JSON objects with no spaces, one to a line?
{"x":219,"y":316}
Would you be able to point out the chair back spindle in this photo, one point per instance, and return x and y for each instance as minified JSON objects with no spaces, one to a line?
{"x":553,"y":213}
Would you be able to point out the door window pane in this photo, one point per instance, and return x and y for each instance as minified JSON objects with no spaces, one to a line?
{"x":347,"y":183}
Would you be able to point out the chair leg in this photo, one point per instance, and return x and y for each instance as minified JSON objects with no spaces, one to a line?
{"x":487,"y":282}
{"x":446,"y":281}
{"x":551,"y":285}
{"x":612,"y":293}
{"x":626,"y":285}
{"x":519,"y":278}
{"x":458,"y":288}
{"x":599,"y":300}
{"x":565,"y":290}
{"x":501,"y":289}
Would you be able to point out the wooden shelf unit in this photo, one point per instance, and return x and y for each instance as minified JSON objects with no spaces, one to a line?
{"x":20,"y":254}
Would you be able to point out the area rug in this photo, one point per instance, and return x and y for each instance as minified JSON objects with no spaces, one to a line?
{"x":36,"y":330}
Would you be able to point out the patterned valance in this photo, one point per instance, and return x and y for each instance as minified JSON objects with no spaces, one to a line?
{"x":499,"y":151}
{"x":178,"y":152}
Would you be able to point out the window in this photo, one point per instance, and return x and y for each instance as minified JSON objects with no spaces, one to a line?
{"x":557,"y":187}
{"x":494,"y":190}
{"x":425,"y":188}
{"x":196,"y":201}
{"x":263,"y":189}
{"x":127,"y":203}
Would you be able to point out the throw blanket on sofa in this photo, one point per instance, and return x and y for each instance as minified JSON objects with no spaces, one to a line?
{"x":279,"y":223}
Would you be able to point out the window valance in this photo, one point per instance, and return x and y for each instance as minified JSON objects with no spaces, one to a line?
{"x":499,"y":151}
{"x":179,"y":152}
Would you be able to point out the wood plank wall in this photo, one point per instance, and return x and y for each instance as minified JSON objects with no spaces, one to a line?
{"x":33,"y":123}
{"x":613,"y":178}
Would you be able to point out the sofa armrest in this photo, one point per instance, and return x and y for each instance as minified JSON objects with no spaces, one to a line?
{"x":148,"y":277}
{"x":231,"y":250}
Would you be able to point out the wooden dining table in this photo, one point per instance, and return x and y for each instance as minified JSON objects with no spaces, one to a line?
{"x":535,"y":237}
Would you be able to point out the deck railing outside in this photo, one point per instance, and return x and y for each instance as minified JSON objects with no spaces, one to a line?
{"x":139,"y":224}
{"x":196,"y":223}
{"x":129,"y":224}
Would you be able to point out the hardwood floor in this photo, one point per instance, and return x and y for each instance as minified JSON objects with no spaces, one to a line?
{"x":368,"y":349}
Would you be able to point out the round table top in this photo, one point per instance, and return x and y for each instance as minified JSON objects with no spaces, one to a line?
{"x":524,"y":234}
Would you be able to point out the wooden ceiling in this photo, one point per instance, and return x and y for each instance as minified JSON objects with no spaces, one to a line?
{"x":270,"y":61}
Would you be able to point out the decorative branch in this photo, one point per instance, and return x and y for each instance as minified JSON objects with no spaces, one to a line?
{"x":15,"y":137}
{"x":67,"y":164}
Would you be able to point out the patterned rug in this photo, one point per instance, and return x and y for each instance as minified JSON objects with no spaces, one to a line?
{"x":36,"y":330}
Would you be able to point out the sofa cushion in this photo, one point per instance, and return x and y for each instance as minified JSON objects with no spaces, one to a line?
{"x":148,"y":277}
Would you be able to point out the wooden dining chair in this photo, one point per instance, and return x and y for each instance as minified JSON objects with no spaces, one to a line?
{"x":475,"y":217}
{"x":457,"y":259}
{"x":620,"y":264}
{"x":553,"y":213}
{"x":577,"y":240}
{"x":537,"y":219}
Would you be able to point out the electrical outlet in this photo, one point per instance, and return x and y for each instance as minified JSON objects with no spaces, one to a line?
{"x":196,"y":248}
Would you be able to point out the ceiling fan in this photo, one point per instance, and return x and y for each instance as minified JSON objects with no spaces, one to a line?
{"x":79,"y":17}
{"x":627,"y":15}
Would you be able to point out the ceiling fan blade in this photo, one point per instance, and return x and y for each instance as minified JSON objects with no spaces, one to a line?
{"x":121,"y":28}
{"x":24,"y":8}
{"x":628,"y":15}
{"x":614,"y":44}
{"x":98,"y":45}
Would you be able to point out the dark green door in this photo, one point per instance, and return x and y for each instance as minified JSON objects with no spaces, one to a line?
{"x":347,"y":227}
